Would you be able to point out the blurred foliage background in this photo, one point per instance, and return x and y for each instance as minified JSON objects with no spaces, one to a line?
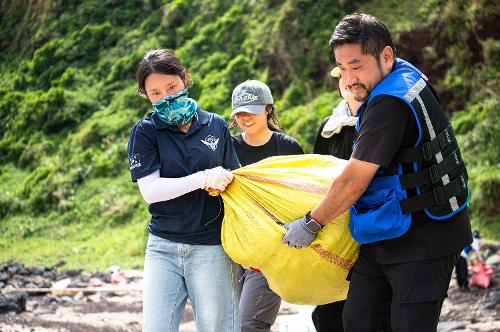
{"x":67,"y":100}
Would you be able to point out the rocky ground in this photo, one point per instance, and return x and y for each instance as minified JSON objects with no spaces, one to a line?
{"x":111,"y":302}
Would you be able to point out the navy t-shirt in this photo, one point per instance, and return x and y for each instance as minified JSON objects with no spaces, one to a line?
{"x":195,"y":217}
{"x":388,"y":124}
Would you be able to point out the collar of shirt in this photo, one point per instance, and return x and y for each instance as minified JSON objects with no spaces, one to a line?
{"x":200,"y":118}
{"x":341,"y":116}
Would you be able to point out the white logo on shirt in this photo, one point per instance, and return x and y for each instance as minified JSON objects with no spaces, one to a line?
{"x":245,"y":98}
{"x":134,"y":161}
{"x":211,"y":142}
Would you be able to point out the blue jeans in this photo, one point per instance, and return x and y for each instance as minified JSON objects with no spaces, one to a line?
{"x":204,"y":273}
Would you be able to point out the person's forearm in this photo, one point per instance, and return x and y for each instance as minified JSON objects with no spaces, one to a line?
{"x":340,"y":197}
{"x":345,"y":190}
{"x":154,"y":188}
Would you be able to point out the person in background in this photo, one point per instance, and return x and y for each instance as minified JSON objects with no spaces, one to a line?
{"x":463,"y":261}
{"x":261,"y":137}
{"x":176,"y":154}
{"x":335,"y":137}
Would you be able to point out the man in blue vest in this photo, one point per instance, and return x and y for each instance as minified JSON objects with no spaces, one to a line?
{"x":405,"y":185}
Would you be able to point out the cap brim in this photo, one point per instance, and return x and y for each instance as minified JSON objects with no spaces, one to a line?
{"x":335,"y":72}
{"x":252,"y":109}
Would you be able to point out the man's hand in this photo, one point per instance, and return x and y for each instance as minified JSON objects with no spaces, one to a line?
{"x":298,"y":235}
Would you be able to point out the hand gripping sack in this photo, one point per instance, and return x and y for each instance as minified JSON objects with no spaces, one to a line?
{"x":284,"y":188}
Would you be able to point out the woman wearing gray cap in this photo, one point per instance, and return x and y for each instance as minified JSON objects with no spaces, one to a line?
{"x":261,"y":137}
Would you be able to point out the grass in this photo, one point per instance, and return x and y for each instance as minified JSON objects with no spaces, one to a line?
{"x":88,"y":247}
{"x":106,"y":225}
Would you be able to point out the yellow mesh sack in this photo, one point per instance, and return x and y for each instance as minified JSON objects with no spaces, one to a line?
{"x":284,"y":188}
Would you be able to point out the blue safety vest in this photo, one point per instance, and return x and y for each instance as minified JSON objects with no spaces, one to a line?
{"x":438,"y":174}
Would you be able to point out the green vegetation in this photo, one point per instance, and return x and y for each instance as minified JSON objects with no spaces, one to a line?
{"x":67,"y":101}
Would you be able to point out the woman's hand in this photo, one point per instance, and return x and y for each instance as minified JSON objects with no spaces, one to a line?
{"x":216,"y":178}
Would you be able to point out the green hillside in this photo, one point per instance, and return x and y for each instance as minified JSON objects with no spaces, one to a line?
{"x":67,"y":100}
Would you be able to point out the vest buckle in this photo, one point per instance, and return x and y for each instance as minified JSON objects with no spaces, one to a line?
{"x":427,"y":151}
{"x":434,"y":174}
{"x":438,"y":195}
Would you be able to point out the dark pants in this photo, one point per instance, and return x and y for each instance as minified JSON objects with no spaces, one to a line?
{"x":397,"y":297}
{"x":328,"y":317}
{"x":462,"y":273}
{"x":259,"y":305}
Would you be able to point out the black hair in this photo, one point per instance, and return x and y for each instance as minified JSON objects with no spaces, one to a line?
{"x":161,"y":61}
{"x":365,"y":29}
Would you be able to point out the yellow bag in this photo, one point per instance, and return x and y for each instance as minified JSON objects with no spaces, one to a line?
{"x":284,"y":188}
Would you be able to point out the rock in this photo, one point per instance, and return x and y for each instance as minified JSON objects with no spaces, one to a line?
{"x":73,"y":273}
{"x":23,"y":271}
{"x":13,"y":268}
{"x":48,"y":299}
{"x":30,"y":285}
{"x":66,"y":300}
{"x":79,"y":296}
{"x":40,"y":281}
{"x":96,"y":298}
{"x":17,"y":281}
{"x":49,"y":275}
{"x":493,"y":301}
{"x":4,"y":277}
{"x":38,"y":270}
{"x":450,"y":326}
{"x":13,"y":302}
{"x":493,"y":260}
{"x":8,"y":288}
{"x":41,"y":311}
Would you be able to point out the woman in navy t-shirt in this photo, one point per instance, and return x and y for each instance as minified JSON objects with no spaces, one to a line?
{"x":176,"y":155}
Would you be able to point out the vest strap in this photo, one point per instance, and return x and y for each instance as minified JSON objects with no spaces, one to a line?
{"x":428,"y":149}
{"x":435,"y":197}
{"x":432,"y":174}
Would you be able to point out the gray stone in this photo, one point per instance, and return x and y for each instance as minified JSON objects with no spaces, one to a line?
{"x":450,"y":326}
{"x":493,"y":260}
{"x":493,"y":300}
{"x":13,"y":303}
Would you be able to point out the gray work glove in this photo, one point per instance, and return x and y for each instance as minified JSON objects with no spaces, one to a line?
{"x":298,"y":235}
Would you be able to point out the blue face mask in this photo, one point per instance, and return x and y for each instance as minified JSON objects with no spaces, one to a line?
{"x":176,"y":109}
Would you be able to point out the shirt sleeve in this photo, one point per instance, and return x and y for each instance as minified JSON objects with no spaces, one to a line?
{"x":154,"y":188}
{"x":297,"y":148}
{"x":384,"y":129}
{"x":320,"y":142}
{"x":288,"y":145}
{"x":143,"y":152}
{"x":230,"y":161}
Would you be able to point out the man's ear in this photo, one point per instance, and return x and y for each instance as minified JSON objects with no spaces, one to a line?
{"x":387,"y":58}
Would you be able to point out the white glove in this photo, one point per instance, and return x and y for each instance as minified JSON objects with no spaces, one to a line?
{"x":216,"y":178}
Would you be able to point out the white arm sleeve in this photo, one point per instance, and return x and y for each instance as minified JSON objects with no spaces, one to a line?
{"x":154,"y":188}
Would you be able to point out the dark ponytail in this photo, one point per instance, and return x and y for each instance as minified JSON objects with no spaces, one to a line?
{"x":272,"y":120}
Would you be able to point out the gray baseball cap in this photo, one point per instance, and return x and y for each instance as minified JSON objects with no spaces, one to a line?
{"x":251,"y":96}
